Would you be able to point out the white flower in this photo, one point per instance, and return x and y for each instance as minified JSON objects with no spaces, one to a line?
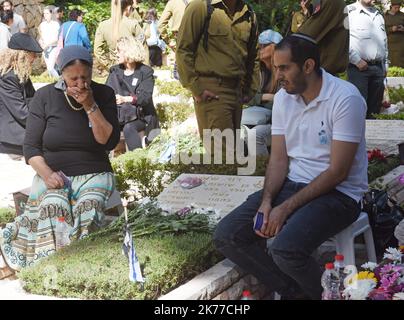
{"x":369,"y":266}
{"x":398,"y":296}
{"x":359,"y":289}
{"x":393,"y":254}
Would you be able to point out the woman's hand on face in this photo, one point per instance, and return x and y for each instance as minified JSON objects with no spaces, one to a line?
{"x":54,"y":181}
{"x":84,"y":96}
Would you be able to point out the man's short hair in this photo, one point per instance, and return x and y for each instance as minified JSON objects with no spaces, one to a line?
{"x":302,"y":47}
{"x":74,"y":14}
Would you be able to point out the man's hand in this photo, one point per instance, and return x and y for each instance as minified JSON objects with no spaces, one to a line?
{"x":265,"y":208}
{"x":276,"y":221}
{"x":362,"y":65}
{"x":54,"y":181}
{"x":206,"y":96}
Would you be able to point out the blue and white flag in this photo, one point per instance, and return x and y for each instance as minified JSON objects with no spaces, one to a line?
{"x":135,"y":273}
{"x":128,"y":248}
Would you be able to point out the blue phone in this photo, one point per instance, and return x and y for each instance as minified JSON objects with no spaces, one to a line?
{"x":259,"y":220}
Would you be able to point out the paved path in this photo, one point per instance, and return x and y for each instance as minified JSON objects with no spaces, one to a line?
{"x":14,"y":175}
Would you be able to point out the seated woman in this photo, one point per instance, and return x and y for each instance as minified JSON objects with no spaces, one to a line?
{"x":258,"y":115}
{"x":16,"y":90}
{"x":133,"y":83}
{"x":70,"y":128}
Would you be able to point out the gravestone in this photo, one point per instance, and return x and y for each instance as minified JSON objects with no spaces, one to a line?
{"x":223,"y":193}
{"x":384,"y":135}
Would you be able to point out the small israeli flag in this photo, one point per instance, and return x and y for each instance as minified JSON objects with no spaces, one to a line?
{"x":128,"y":248}
{"x":135,"y":273}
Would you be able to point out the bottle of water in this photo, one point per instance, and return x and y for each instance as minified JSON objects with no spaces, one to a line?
{"x":339,"y":266}
{"x":61,"y":233}
{"x":330,"y":283}
{"x":246,"y":295}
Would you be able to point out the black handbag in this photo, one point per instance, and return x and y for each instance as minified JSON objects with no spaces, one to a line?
{"x":384,"y":215}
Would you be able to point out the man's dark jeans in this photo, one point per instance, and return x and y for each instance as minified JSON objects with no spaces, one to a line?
{"x":288,"y":268}
{"x":370,"y":83}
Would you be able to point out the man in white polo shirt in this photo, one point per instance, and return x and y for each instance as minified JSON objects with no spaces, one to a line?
{"x":316,"y":176}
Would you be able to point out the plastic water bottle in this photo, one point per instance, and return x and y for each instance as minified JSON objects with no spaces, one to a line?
{"x":339,"y":266}
{"x":246,"y":295}
{"x":61,"y":234}
{"x":330,"y":283}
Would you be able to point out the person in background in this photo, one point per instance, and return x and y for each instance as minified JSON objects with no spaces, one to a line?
{"x":6,"y":20}
{"x":327,"y":23}
{"x":368,"y":53}
{"x":74,"y":31}
{"x":19,"y":24}
{"x":16,"y":90}
{"x":48,"y":38}
{"x":257,"y":116}
{"x":218,"y":62}
{"x":59,"y":14}
{"x":299,"y":16}
{"x":394,"y":19}
{"x":116,"y":27}
{"x":156,"y":45}
{"x":70,"y":128}
{"x":169,"y":24}
{"x":133,"y":83}
{"x":137,"y":13}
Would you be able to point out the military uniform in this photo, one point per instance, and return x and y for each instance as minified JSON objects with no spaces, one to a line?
{"x":297,"y":21}
{"x":395,"y":38}
{"x":228,"y":68}
{"x":103,"y":42}
{"x":328,"y":25}
{"x":173,"y":13}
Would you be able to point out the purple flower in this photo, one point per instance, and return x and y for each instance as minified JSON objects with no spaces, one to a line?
{"x":401,"y":178}
{"x":379,"y":294}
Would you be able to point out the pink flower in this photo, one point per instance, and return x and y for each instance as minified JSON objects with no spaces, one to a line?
{"x":379,"y":294}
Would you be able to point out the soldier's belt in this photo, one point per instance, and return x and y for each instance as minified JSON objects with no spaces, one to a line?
{"x":222,"y":81}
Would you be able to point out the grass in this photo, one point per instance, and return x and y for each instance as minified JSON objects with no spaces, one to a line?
{"x":96,"y":268}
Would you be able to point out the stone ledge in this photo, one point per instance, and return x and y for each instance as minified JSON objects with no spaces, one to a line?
{"x":208,"y":284}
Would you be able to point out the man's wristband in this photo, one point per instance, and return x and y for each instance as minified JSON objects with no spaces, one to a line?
{"x":92,"y":109}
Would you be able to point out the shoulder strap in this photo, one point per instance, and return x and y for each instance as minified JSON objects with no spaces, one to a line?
{"x":68,"y":30}
{"x":254,"y":26}
{"x":205,"y":28}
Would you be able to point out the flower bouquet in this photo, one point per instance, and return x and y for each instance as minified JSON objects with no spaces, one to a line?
{"x":383,"y":281}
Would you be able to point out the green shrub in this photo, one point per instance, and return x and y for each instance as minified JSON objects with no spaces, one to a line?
{"x":171,"y":114}
{"x":172,"y":88}
{"x":6,"y":215}
{"x":395,"y":72}
{"x":395,"y":116}
{"x":396,"y":94}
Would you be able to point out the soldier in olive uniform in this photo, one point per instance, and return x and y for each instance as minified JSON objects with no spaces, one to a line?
{"x":394,"y":20}
{"x":220,"y":64}
{"x":173,"y":13}
{"x":137,"y":13}
{"x":327,"y":23}
{"x":105,"y":39}
{"x":299,"y":17}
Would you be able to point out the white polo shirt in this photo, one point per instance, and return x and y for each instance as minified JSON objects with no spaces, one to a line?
{"x":338,"y":113}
